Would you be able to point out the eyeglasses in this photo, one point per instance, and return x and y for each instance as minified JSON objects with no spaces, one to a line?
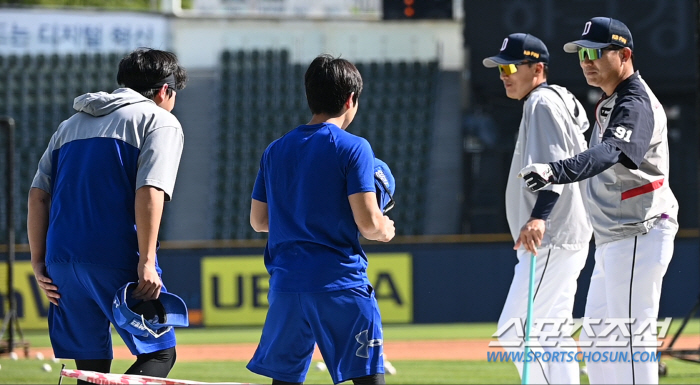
{"x":591,"y":53}
{"x":509,"y":69}
{"x":594,"y":53}
{"x":385,"y":189}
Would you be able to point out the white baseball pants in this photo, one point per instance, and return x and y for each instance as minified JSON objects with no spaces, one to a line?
{"x":556,"y":272}
{"x":626,"y":284}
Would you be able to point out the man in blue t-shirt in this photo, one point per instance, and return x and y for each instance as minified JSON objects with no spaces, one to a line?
{"x":315,"y":194}
{"x":95,"y":207}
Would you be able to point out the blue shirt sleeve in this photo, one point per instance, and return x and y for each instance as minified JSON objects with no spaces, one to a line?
{"x":360,"y":167}
{"x":546,"y":199}
{"x":259,"y":193}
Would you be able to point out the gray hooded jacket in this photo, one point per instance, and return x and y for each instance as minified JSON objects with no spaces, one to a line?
{"x":127,"y":116}
{"x":551,"y":129}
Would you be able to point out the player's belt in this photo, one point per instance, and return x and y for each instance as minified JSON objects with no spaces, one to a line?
{"x":647,"y":188}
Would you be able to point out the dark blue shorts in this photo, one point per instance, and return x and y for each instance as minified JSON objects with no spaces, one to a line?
{"x":345,"y":324}
{"x":79,"y":326}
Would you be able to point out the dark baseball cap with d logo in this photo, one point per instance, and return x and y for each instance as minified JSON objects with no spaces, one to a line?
{"x":518,"y":48}
{"x":601,"y":32}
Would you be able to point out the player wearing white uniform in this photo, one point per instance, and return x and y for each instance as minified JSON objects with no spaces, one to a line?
{"x":551,"y":223}
{"x":632,"y":208}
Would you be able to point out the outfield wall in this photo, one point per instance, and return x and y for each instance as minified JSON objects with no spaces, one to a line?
{"x":415,"y":282}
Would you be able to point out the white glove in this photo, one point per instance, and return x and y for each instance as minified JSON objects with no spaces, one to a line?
{"x":537,"y":176}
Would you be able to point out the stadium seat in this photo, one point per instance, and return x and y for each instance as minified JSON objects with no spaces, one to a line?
{"x":262,"y":97}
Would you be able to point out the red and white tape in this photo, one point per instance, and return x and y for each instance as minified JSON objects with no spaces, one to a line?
{"x":119,"y":379}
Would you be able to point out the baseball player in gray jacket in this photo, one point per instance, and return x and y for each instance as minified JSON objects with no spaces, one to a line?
{"x":632,"y":208}
{"x":551,"y":223}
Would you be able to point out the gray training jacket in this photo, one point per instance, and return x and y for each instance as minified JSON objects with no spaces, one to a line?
{"x":551,"y":129}
{"x":628,"y":198}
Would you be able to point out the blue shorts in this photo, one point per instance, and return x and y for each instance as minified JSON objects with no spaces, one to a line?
{"x":345,"y":324}
{"x":79,"y":326}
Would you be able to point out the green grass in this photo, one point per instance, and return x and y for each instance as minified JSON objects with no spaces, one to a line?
{"x":396,"y":332}
{"x":29,"y":371}
{"x":455,"y":331}
{"x":408,"y":372}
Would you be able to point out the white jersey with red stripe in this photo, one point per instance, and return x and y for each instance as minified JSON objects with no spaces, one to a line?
{"x":627,"y":199}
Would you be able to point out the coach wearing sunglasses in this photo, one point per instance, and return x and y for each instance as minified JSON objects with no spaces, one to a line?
{"x":552,"y":223}
{"x":632,"y":208}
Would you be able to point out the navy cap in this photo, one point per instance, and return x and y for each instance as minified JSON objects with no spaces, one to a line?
{"x":517,"y":48}
{"x":384,"y":183}
{"x":600,"y":32}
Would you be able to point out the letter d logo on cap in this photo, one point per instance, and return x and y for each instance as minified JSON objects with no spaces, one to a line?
{"x":586,"y":28}
{"x":505,"y":43}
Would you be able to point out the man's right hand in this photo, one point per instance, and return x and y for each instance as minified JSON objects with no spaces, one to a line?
{"x":46,"y":283}
{"x":149,"y":283}
{"x":531,"y":235}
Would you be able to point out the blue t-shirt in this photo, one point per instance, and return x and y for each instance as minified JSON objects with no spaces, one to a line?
{"x":305,"y":178}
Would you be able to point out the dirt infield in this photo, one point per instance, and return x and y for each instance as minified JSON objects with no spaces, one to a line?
{"x":446,"y":350}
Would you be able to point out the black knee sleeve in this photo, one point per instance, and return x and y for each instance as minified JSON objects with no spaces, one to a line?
{"x":278,"y":382}
{"x":373,"y":379}
{"x":156,"y":364}
{"x":102,"y":366}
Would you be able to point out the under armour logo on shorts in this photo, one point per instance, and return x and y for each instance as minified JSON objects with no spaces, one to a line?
{"x":365,"y":344}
